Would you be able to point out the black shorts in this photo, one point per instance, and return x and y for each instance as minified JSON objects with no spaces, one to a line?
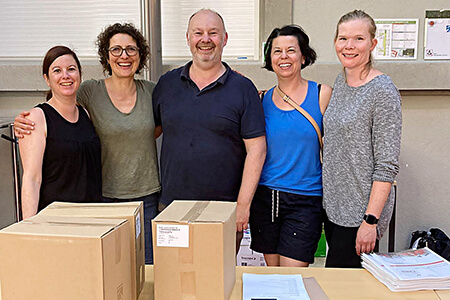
{"x":290,"y":227}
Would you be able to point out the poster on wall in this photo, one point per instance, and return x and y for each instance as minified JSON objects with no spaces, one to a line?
{"x":397,"y":39}
{"x":437,"y":38}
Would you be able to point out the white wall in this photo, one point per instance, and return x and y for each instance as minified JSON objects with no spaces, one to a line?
{"x":423,"y":181}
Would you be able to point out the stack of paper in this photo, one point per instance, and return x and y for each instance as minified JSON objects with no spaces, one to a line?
{"x":409,"y":270}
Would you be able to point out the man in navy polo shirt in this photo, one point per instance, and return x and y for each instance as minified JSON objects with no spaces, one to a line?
{"x":214,"y":145}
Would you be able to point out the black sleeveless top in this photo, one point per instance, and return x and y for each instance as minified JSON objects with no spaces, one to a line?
{"x":71,"y":169}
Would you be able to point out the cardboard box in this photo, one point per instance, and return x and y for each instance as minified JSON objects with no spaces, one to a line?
{"x":246,"y":237}
{"x":55,"y":258}
{"x":194,"y":250}
{"x":248,"y":257}
{"x":132,"y":211}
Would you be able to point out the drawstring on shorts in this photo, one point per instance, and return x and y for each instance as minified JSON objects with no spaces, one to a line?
{"x":275,"y":210}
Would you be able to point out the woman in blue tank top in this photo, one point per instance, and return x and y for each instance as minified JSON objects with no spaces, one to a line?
{"x":285,"y":216}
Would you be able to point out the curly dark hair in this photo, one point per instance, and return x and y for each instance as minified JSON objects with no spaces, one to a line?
{"x":127,"y":28}
{"x":303,"y":41}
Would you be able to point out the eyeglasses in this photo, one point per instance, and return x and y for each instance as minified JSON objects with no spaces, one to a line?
{"x":129,"y":50}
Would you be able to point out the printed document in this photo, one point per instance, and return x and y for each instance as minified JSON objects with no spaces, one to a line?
{"x":273,"y":287}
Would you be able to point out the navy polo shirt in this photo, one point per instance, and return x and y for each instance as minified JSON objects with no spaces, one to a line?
{"x":203,"y":152}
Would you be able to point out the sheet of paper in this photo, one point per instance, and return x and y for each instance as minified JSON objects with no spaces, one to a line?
{"x":397,"y":39}
{"x":273,"y":287}
{"x":437,"y":38}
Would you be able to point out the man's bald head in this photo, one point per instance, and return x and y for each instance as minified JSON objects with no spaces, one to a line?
{"x":207,"y":10}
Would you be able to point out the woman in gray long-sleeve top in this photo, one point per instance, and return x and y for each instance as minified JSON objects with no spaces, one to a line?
{"x":362,"y":128}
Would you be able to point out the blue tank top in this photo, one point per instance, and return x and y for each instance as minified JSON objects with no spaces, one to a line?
{"x":292,"y":161}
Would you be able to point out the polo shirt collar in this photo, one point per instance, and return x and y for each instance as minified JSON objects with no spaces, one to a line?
{"x":185,"y":73}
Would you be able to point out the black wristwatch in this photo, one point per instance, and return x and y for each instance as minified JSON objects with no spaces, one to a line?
{"x":370,"y":219}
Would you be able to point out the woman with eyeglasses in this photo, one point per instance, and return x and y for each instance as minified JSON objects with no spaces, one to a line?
{"x":121,"y":110}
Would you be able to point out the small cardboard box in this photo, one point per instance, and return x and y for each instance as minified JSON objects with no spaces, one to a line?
{"x":55,"y":258}
{"x":246,"y":256}
{"x":250,"y":258}
{"x":246,"y":237}
{"x":132,"y":211}
{"x":194,"y":250}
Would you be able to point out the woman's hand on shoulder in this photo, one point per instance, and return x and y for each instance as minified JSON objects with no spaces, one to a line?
{"x":32,"y":147}
{"x":34,"y":122}
{"x":324,"y":97}
{"x":23,"y":125}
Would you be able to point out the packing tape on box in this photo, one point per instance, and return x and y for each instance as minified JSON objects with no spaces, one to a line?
{"x":117,"y":233}
{"x":195,"y":211}
{"x":89,"y":206}
{"x":186,"y":255}
{"x":57,"y":223}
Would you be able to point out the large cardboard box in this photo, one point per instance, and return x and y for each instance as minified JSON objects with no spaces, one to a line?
{"x":132,"y":211}
{"x":54,"y":258}
{"x":194,"y":244}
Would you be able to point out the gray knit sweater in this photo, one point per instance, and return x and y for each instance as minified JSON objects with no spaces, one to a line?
{"x":362,"y":129}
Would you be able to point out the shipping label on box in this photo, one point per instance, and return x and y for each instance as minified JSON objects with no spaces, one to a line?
{"x":194,"y":250}
{"x":57,"y":258}
{"x":172,"y":235}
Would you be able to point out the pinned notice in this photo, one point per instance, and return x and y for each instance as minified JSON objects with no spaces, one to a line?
{"x":437,"y":38}
{"x":397,"y":39}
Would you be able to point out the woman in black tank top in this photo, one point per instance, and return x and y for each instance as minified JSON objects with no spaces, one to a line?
{"x":61,"y":160}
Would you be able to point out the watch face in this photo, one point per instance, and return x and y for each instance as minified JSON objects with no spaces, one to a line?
{"x":370,"y":219}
